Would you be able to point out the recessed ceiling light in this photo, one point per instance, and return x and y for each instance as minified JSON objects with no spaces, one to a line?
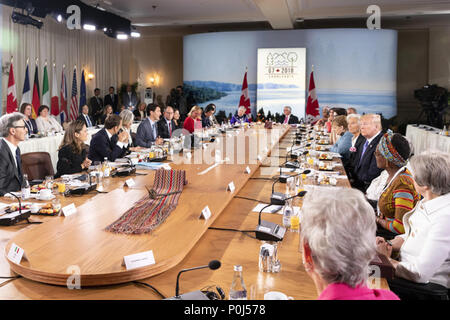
{"x":122,"y":36}
{"x":89,"y":27}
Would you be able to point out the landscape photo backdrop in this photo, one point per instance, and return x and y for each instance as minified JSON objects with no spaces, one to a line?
{"x":352,"y":68}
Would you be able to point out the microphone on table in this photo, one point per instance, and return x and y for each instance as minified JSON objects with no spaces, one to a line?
{"x":279,"y":198}
{"x":295,"y":164}
{"x":194,"y":295}
{"x":21,"y":216}
{"x":269,"y":231}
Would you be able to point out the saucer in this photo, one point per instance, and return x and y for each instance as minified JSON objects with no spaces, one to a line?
{"x":46,"y":198}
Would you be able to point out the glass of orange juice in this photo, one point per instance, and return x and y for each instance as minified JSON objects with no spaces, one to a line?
{"x":61,"y":187}
{"x":295,"y":223}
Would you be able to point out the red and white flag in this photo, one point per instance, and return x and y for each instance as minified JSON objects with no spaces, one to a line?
{"x":245,"y":99}
{"x":54,"y":99}
{"x":312,"y":105}
{"x":36,"y":102}
{"x":11,"y":100}
{"x":73,"y":114}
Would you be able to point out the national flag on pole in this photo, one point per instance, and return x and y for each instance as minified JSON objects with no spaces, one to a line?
{"x":245,"y":99}
{"x":63,"y":97}
{"x":11,"y":100}
{"x":54,"y":100}
{"x":312,"y":105}
{"x":73,"y":114}
{"x":45,"y":88}
{"x":26,"y":93}
{"x":36,"y":102}
{"x":82,"y":91}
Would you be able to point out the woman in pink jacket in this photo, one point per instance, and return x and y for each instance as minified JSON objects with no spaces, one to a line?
{"x":338,"y":241}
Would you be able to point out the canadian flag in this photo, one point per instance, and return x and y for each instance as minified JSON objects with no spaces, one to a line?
{"x":11,"y":100}
{"x":312,"y":105}
{"x":245,"y":99}
{"x":54,"y":99}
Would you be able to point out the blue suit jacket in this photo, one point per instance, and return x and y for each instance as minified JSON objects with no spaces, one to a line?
{"x":342,"y":146}
{"x":144,"y":134}
{"x":366,"y":167}
{"x":101,"y":147}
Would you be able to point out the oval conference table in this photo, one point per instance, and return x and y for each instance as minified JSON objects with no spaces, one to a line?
{"x":60,"y":244}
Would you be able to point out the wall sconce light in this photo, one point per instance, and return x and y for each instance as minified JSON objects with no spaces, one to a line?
{"x":152,"y":80}
{"x":90,"y":76}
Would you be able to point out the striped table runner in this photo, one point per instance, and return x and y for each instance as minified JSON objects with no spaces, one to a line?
{"x":149,"y":212}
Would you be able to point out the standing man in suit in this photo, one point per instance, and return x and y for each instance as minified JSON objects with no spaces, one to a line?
{"x":110,"y":141}
{"x":86,"y":117}
{"x":147,"y":132}
{"x":166,"y":125}
{"x":96,"y":105}
{"x":288,"y":117}
{"x":182,"y":103}
{"x":13,"y":130}
{"x":129,"y":99}
{"x":112,"y":99}
{"x":366,"y":168}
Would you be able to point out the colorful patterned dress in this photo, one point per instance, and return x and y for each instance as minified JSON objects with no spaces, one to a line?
{"x":398,"y":198}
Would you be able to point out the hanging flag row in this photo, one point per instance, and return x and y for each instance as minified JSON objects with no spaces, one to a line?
{"x":56,"y":101}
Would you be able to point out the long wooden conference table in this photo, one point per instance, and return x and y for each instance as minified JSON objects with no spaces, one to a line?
{"x":182,"y":241}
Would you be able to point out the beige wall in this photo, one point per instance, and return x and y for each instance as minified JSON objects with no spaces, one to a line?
{"x":160,"y":57}
{"x":412,"y":71}
{"x":439,"y":54}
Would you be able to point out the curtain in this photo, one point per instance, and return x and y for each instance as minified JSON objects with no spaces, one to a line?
{"x":107,"y":58}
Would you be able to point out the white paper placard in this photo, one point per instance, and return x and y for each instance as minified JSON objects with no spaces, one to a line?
{"x":130,"y":182}
{"x":69,"y":210}
{"x":138,"y":260}
{"x":16,"y":253}
{"x":231,"y":187}
{"x":206,"y":213}
{"x":247,"y":170}
{"x":259,"y":158}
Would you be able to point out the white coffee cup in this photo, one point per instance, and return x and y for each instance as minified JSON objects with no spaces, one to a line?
{"x":134,"y":161}
{"x":276,"y":295}
{"x":34,"y":208}
{"x":45,"y":194}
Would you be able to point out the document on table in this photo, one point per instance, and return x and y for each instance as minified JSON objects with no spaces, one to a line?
{"x":273,"y":209}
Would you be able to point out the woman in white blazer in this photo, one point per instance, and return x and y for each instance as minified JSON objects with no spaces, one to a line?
{"x":45,"y":122}
{"x":424,"y":248}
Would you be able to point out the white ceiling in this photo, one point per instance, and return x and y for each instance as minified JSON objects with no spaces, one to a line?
{"x":280,"y":14}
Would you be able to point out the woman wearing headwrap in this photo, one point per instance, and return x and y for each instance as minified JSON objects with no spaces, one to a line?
{"x":399,"y":195}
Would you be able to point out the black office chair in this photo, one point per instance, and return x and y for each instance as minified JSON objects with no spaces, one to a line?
{"x":408,"y":290}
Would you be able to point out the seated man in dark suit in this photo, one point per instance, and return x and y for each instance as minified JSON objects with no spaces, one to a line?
{"x":140,"y":114}
{"x":166,"y":125}
{"x":206,"y":116}
{"x":110,"y":141}
{"x":13,"y":130}
{"x":147,"y":132}
{"x":96,"y":104}
{"x":288,"y":118}
{"x":88,"y":121}
{"x":366,"y":168}
{"x":112,"y":99}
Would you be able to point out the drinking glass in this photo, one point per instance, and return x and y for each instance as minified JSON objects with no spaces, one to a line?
{"x":48,"y":182}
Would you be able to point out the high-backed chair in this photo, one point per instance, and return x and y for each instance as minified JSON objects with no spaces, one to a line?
{"x":37,"y":165}
{"x":408,"y":290}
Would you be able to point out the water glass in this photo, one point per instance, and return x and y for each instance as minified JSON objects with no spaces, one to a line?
{"x":48,"y":182}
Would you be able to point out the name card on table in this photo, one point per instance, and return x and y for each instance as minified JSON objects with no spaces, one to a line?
{"x":206,"y":213}
{"x":16,"y":254}
{"x":247,"y":170}
{"x":231,"y":187}
{"x":130,"y":182}
{"x":138,"y":260}
{"x":259,"y":158}
{"x":69,"y":210}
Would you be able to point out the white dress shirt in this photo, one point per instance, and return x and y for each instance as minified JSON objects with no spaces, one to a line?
{"x":425,"y":254}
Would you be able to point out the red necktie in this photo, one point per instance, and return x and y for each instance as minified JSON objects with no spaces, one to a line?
{"x":286,"y":119}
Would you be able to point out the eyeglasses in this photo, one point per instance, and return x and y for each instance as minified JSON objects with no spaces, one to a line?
{"x":23,"y":127}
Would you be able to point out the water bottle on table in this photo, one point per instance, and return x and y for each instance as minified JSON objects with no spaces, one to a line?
{"x":238,"y":290}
